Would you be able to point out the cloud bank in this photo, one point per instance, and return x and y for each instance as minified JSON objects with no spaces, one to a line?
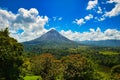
{"x":93,"y":35}
{"x":25,"y":25}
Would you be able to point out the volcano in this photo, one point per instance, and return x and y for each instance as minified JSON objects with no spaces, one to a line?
{"x":51,"y":39}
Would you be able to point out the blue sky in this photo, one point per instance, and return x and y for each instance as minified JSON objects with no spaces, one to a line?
{"x":75,"y":19}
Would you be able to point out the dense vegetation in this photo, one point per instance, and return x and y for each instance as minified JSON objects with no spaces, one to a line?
{"x":10,"y":57}
{"x":78,"y":63}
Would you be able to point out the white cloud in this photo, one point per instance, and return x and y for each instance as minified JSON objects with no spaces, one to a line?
{"x":99,"y":10}
{"x":6,"y":18}
{"x":71,"y":35}
{"x":29,"y":22}
{"x":112,"y":34}
{"x":57,"y":18}
{"x":112,"y":1}
{"x":115,"y":11}
{"x":83,"y":20}
{"x":60,"y":18}
{"x":92,"y":34}
{"x":101,"y":18}
{"x":79,"y":21}
{"x":92,"y":4}
{"x":90,"y":16}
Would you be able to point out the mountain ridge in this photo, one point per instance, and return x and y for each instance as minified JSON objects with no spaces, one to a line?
{"x":102,"y":43}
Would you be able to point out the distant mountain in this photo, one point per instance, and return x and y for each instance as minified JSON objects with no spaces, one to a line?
{"x":102,"y":43}
{"x":51,"y":39}
{"x":51,"y":36}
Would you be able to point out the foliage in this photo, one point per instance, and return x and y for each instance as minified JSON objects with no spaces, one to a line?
{"x":115,"y":72}
{"x":106,"y":60}
{"x":26,"y":67}
{"x":10,"y":56}
{"x":105,"y":57}
{"x":4,"y":33}
{"x":47,"y":66}
{"x":77,"y":67}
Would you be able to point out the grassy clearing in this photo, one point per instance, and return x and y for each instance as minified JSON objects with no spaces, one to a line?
{"x":32,"y":78}
{"x":108,"y":53}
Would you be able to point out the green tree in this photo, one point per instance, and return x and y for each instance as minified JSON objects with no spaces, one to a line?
{"x":26,"y":67}
{"x":10,"y":56}
{"x":47,"y":66}
{"x":77,"y":67}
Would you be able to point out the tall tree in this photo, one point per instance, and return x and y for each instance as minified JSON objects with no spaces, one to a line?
{"x":10,"y":56}
{"x":77,"y":67}
{"x":47,"y":66}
